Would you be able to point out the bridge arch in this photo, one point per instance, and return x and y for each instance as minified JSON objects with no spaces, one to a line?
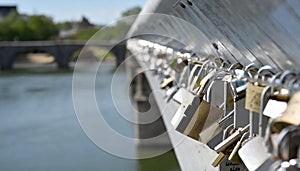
{"x":61,"y":50}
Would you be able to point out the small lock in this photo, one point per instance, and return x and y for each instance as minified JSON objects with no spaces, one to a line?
{"x":253,"y":97}
{"x":221,"y":156}
{"x":167,"y":82}
{"x":231,"y":139}
{"x":274,"y":108}
{"x":234,"y":154}
{"x":178,"y":64}
{"x":290,"y":116}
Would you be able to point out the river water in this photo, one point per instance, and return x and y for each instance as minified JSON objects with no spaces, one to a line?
{"x":39,"y":129}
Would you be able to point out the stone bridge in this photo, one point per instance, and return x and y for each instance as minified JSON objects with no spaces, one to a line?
{"x":61,"y":50}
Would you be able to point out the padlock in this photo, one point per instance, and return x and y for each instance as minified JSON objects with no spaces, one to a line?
{"x":181,"y":119}
{"x":253,"y":97}
{"x":167,"y":82}
{"x":231,"y":139}
{"x":196,"y":123}
{"x":233,"y":155}
{"x":292,"y":165}
{"x":185,"y":98}
{"x":222,"y":155}
{"x":184,"y":92}
{"x":287,"y":157}
{"x":253,"y":152}
{"x":238,"y":90}
{"x":276,"y":105}
{"x":204,"y":113}
{"x":222,"y":158}
{"x":290,"y":116}
{"x":212,"y":127}
{"x":180,"y":85}
{"x":207,"y":71}
{"x":288,"y":143}
{"x":228,"y":106}
{"x":252,"y":103}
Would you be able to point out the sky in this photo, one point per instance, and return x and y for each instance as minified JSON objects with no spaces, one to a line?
{"x":97,"y":11}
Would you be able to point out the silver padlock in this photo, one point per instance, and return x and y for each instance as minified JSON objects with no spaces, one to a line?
{"x":184,"y":125}
{"x":184,"y":92}
{"x":253,"y":153}
{"x":189,"y":102}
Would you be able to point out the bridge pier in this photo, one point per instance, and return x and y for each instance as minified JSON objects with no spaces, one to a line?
{"x":143,"y":101}
{"x":63,"y":55}
{"x":7,"y":56}
{"x":120,"y":53}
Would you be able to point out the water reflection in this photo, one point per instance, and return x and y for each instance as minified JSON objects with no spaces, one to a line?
{"x":39,"y":129}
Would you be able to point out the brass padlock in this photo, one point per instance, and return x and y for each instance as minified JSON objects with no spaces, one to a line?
{"x":167,"y":82}
{"x":253,"y":96}
{"x":290,"y":116}
{"x":202,"y":114}
{"x":221,"y":156}
{"x":198,"y":120}
{"x":231,"y":139}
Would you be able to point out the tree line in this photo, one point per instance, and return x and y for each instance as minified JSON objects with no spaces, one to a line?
{"x":17,"y":27}
{"x":21,"y":27}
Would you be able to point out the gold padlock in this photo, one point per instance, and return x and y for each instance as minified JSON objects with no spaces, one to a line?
{"x":253,"y":94}
{"x":231,"y":139}
{"x":166,"y":82}
{"x":221,"y":156}
{"x":198,"y":120}
{"x":290,"y":116}
{"x":197,"y":83}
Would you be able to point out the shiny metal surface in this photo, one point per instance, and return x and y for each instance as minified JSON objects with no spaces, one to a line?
{"x":263,"y":32}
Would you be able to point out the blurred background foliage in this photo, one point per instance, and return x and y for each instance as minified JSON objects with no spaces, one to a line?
{"x":23,"y":27}
{"x":20,"y":27}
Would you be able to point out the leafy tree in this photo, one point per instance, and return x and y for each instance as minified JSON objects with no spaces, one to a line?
{"x":18,"y":27}
{"x":42,"y":27}
{"x":64,"y":25}
{"x":132,"y":11}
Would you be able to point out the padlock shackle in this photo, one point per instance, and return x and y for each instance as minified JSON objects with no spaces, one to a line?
{"x":263,"y":101}
{"x":205,"y":64}
{"x":211,"y":84}
{"x":219,"y":61}
{"x":191,"y":76}
{"x":235,"y":66}
{"x":285,"y":74}
{"x":275,"y":77}
{"x":264,"y":71}
{"x":226,"y":131}
{"x":268,"y":139}
{"x":250,"y":67}
{"x":293,"y":81}
{"x":285,"y":134}
{"x":206,"y":88}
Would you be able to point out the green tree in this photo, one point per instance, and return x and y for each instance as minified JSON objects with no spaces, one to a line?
{"x":64,"y":25}
{"x":42,"y":27}
{"x":18,"y":27}
{"x":132,"y":11}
